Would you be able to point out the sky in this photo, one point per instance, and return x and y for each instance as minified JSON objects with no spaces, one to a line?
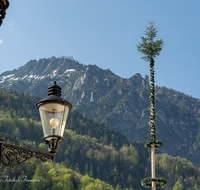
{"x":106,"y":33}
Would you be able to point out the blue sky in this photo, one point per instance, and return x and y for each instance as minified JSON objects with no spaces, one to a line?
{"x":106,"y":33}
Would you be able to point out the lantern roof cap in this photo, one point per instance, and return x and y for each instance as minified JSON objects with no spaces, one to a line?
{"x":54,"y":90}
{"x":54,"y":93}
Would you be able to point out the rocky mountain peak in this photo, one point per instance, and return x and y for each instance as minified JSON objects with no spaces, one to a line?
{"x":121,"y":103}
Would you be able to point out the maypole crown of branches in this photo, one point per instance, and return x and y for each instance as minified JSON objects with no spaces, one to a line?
{"x":148,"y":47}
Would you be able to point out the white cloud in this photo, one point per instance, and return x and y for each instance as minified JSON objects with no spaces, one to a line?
{"x":1,"y":41}
{"x":9,"y":24}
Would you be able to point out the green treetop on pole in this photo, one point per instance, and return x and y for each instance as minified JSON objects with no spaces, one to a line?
{"x":150,"y":49}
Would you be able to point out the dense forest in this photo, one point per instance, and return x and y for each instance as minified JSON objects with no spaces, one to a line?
{"x":93,"y":156}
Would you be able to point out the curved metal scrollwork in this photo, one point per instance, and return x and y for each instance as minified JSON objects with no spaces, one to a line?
{"x":14,"y":155}
{"x":3,"y":8}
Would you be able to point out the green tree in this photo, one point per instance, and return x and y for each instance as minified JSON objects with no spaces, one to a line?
{"x":177,"y":169}
{"x":86,"y":167}
{"x":91,"y":171}
{"x":17,"y":133}
{"x":178,"y":186}
{"x":196,"y":187}
{"x":85,"y":180}
{"x":149,"y":47}
{"x":129,"y":179}
{"x":42,"y":147}
{"x":118,"y":187}
{"x":59,"y":186}
{"x":115,"y":172}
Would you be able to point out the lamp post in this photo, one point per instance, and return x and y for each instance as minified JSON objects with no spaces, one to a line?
{"x":53,"y":112}
{"x":4,"y":4}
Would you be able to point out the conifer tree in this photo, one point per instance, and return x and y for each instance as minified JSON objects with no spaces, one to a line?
{"x":149,"y":47}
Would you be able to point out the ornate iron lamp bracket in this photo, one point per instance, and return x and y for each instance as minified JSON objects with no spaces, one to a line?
{"x":12,"y":156}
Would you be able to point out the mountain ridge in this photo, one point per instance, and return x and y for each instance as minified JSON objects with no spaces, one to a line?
{"x":105,"y":153}
{"x":121,"y":103}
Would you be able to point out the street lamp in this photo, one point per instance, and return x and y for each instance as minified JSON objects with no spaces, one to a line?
{"x":4,"y":4}
{"x":53,"y":112}
{"x":3,"y":1}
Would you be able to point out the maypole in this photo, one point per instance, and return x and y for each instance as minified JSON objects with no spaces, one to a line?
{"x":150,"y":49}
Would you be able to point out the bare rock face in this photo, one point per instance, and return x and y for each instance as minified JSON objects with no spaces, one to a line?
{"x":123,"y":104}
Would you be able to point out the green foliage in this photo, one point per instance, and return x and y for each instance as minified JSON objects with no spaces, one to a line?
{"x":100,"y":160}
{"x":178,"y":186}
{"x":42,"y":147}
{"x":97,"y":130}
{"x":54,"y":176}
{"x":19,"y":104}
{"x":17,"y":133}
{"x":93,"y":150}
{"x":149,"y":47}
{"x":147,"y":182}
{"x":86,"y":180}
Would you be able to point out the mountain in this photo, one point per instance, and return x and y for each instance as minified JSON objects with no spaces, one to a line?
{"x":90,"y":153}
{"x":122,"y":104}
{"x":105,"y":153}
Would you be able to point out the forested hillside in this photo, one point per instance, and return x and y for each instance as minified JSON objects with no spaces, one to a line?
{"x":121,"y":103}
{"x":91,"y":151}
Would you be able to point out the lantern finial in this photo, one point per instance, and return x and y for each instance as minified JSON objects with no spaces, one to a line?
{"x":54,"y":90}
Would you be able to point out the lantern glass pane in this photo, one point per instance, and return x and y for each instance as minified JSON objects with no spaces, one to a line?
{"x":53,"y":117}
{"x":64,"y":120}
